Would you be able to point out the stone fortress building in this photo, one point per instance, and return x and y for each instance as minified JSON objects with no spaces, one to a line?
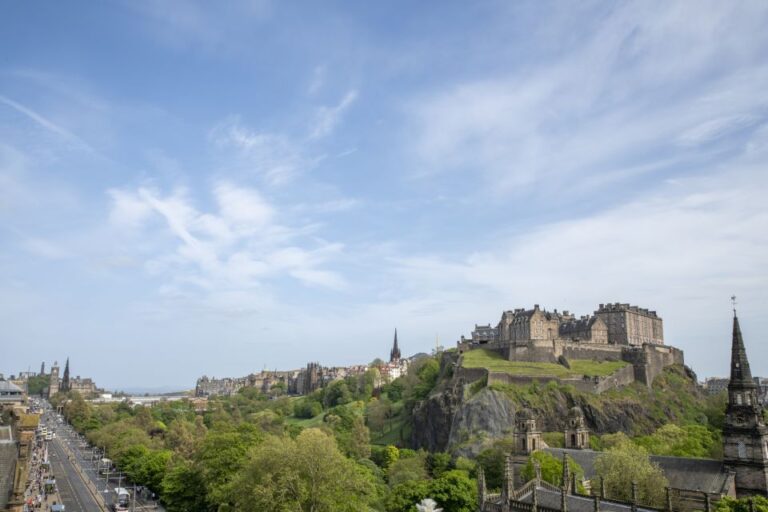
{"x":694,"y":484}
{"x":614,"y":332}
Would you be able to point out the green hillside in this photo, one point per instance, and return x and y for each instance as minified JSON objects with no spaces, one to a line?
{"x":492,"y":361}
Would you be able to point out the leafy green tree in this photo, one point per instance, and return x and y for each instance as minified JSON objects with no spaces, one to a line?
{"x":378,"y":412}
{"x":626,"y":463}
{"x":307,"y":474}
{"x":404,"y":497}
{"x":728,"y":504}
{"x":391,"y":454}
{"x":687,"y":441}
{"x":438,"y":463}
{"x":307,"y":408}
{"x":551,"y":468}
{"x":454,"y":492}
{"x":221,"y":456}
{"x":405,"y":470}
{"x":337,"y":393}
{"x":183,"y":488}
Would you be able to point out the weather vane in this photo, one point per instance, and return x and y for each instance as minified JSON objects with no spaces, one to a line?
{"x":733,"y":303}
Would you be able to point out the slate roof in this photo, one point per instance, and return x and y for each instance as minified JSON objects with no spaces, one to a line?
{"x":682,"y":473}
{"x":551,"y":499}
{"x":6,"y":434}
{"x":7,"y":386}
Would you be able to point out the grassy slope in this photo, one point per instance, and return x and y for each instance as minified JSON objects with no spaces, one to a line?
{"x":482,"y":358}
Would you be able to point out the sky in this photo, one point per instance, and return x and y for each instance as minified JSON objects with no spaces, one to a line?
{"x":191,"y":188}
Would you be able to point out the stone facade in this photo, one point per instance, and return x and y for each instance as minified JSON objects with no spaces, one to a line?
{"x":576,"y":433}
{"x":54,"y":383}
{"x":631,"y":325}
{"x":527,"y":436}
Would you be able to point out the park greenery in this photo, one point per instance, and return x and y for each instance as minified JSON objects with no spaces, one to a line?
{"x":344,"y":447}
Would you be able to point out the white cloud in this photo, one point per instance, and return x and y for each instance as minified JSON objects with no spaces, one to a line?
{"x":618,"y":98}
{"x":327,"y":118}
{"x":240,"y":246}
{"x":46,"y":123}
{"x":275,"y":157}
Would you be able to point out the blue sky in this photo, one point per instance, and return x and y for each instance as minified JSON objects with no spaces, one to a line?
{"x":191,"y":189}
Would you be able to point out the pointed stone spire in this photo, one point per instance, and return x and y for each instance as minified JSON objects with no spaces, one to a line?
{"x":574,"y":481}
{"x":741,"y":375}
{"x":563,"y":499}
{"x":566,"y":473}
{"x":509,"y":479}
{"x":394,"y":354}
{"x":481,"y":489}
{"x":535,"y":497}
{"x":65,"y":379}
{"x":602,"y":487}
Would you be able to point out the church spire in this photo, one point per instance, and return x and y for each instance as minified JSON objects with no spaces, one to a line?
{"x":394,"y":355}
{"x":741,"y":375}
{"x":65,"y":379}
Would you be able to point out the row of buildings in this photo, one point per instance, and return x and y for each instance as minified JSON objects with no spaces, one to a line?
{"x":619,"y":324}
{"x":17,"y":437}
{"x":57,"y":382}
{"x":305,"y":380}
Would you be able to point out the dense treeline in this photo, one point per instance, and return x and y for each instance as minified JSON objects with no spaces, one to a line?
{"x":334,"y":450}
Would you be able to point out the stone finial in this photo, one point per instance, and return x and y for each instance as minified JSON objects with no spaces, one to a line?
{"x":481,"y":489}
{"x":634,"y":496}
{"x":537,"y":469}
{"x":669,"y":498}
{"x":597,"y":503}
{"x":509,"y":479}
{"x":602,"y":487}
{"x":563,"y":499}
{"x":566,"y":473}
{"x":707,"y":502}
{"x":574,"y":481}
{"x":535,"y":497}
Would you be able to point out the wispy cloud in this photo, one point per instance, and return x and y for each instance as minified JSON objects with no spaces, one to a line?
{"x":617,"y":98}
{"x":46,"y":123}
{"x":239,"y":246}
{"x":327,"y":118}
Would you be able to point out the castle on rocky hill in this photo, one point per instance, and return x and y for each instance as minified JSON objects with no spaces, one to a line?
{"x":615,"y":332}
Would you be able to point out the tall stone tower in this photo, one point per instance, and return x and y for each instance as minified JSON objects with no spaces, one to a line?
{"x":576,"y":433}
{"x":42,"y":368}
{"x":53,"y":383}
{"x":527,"y":436}
{"x":394,"y":354}
{"x":745,"y":435}
{"x":65,"y":380}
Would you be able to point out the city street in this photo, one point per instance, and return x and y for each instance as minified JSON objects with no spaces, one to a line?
{"x":75,"y":466}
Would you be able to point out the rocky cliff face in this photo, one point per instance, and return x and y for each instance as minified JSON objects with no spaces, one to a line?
{"x":454,"y":420}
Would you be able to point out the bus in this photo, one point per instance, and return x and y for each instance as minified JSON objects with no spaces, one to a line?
{"x":105,"y":466}
{"x":121,"y":499}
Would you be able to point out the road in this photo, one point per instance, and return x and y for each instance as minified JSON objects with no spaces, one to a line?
{"x":72,"y":489}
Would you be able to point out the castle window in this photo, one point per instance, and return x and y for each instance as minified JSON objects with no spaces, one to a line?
{"x":742,"y":450}
{"x":738,"y":398}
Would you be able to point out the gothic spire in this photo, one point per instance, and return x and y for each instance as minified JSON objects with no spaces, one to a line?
{"x":741,"y":376}
{"x":394,"y":355}
{"x":65,"y":381}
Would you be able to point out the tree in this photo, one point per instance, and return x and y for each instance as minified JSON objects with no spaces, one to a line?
{"x":455,"y":492}
{"x":687,"y":441}
{"x":183,"y":488}
{"x":406,"y":470}
{"x":551,"y":468}
{"x":307,"y":474}
{"x":337,"y":393}
{"x":438,"y":463}
{"x":379,"y":410}
{"x":728,"y":504}
{"x":626,"y":463}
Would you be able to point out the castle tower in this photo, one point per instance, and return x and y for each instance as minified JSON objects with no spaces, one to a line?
{"x":527,"y":436}
{"x":53,"y":383}
{"x":65,"y":380}
{"x":576,"y":433}
{"x":745,"y":435}
{"x":394,"y":354}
